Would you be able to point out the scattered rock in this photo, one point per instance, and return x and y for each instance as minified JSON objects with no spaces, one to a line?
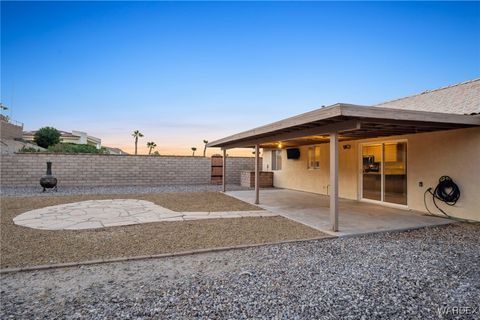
{"x":382,"y":276}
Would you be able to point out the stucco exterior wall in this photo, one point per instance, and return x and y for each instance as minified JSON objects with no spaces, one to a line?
{"x":296,"y":175}
{"x":429,"y":156}
{"x":456,"y":154}
{"x":10,"y":131}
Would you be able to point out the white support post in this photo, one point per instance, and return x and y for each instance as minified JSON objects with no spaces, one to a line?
{"x":334,"y":180}
{"x":257,"y":174}
{"x":224,"y":171}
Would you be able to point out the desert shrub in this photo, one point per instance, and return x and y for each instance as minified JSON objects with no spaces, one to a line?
{"x":46,"y":137}
{"x":29,"y":149}
{"x":75,"y":148}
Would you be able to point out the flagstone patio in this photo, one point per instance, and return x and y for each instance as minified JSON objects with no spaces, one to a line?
{"x":93,"y":214}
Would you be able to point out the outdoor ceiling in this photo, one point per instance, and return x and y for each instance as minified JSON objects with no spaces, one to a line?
{"x":350,"y":121}
{"x":300,"y":142}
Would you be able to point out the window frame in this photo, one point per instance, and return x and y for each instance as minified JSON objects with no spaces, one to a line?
{"x":311,"y":150}
{"x":276,"y":156}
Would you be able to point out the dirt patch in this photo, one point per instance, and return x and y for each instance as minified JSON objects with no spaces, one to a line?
{"x":199,"y":201}
{"x":22,"y":246}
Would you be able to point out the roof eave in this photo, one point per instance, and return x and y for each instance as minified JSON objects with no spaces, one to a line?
{"x":349,"y":111}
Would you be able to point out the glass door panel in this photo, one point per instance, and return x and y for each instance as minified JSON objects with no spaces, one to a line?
{"x":395,"y":172}
{"x":372,"y":172}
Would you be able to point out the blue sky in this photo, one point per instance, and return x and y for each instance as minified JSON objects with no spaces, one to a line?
{"x":182,"y":72}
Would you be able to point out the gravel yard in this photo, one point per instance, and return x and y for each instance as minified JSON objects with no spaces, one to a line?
{"x":23,"y":246}
{"x":406,"y":275}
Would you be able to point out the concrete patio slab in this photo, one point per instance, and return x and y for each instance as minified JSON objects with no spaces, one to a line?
{"x":93,"y":214}
{"x":356,"y":217}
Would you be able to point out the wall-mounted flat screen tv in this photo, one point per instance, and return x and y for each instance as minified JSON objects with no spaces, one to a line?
{"x":293,"y":153}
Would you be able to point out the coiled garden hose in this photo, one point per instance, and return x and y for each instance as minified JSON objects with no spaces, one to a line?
{"x":446,"y":191}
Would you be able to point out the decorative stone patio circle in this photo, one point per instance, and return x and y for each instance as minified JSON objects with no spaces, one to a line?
{"x":93,"y":214}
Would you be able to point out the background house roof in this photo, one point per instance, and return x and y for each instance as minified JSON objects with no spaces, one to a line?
{"x":461,"y":98}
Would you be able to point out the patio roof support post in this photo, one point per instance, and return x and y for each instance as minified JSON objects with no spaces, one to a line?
{"x":224,"y":170}
{"x":334,"y":180}
{"x":257,"y":174}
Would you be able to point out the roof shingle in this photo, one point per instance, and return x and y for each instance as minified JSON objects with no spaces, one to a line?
{"x":461,"y":98}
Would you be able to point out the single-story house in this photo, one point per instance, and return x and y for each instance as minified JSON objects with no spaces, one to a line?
{"x":76,"y":137}
{"x":389,"y":154}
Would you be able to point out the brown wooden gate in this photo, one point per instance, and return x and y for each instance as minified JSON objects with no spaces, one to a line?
{"x":217,"y":169}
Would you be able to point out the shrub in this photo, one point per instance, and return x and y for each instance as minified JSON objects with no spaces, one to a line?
{"x":46,"y":137}
{"x":75,"y":148}
{"x":29,"y":149}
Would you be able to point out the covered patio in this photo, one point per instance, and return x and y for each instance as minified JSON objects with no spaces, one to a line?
{"x":334,"y":124}
{"x":355,"y":218}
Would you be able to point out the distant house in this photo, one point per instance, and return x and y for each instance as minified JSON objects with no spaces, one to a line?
{"x":11,"y":137}
{"x":111,"y":150}
{"x":76,"y":137}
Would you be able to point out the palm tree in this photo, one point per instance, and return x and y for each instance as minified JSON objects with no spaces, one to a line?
{"x":151,"y":146}
{"x":194,"y":149}
{"x":136,"y":134}
{"x":205,"y":148}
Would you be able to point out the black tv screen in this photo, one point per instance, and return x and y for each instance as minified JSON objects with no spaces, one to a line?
{"x":293,"y":153}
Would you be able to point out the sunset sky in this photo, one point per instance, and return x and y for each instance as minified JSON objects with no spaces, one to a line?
{"x":187,"y":71}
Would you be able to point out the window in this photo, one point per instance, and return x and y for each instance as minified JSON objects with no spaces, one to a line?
{"x":276,"y":159}
{"x":314,"y":157}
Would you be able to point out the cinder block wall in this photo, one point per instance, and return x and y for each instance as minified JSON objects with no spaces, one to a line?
{"x":25,"y":169}
{"x":235,"y":165}
{"x":247,"y":179}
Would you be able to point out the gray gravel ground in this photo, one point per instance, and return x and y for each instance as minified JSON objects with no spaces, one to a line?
{"x":63,"y":191}
{"x":406,"y":275}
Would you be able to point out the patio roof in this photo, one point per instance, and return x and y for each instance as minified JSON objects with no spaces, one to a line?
{"x":350,"y":121}
{"x":336,"y":123}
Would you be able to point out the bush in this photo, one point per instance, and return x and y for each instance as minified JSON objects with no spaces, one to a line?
{"x":29,"y":149}
{"x":75,"y":148}
{"x":46,"y":137}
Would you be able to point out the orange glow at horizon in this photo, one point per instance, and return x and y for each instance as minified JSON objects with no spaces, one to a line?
{"x":176,"y":150}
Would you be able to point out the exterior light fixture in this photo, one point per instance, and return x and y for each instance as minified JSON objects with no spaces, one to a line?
{"x":347,"y":146}
{"x":280,"y":145}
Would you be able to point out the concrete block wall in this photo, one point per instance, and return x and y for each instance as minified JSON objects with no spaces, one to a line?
{"x":235,"y":165}
{"x":247,"y":179}
{"x":25,"y":169}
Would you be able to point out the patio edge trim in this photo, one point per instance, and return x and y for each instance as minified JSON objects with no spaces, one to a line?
{"x":157,"y":256}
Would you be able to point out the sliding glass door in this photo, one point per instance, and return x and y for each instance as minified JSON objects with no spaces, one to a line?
{"x":372,"y":172}
{"x":384,"y":172}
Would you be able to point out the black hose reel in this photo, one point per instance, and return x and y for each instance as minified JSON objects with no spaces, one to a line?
{"x":446,"y":191}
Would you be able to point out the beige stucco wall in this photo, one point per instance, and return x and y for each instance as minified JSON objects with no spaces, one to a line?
{"x":10,"y":131}
{"x":430,"y":155}
{"x":295,"y":174}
